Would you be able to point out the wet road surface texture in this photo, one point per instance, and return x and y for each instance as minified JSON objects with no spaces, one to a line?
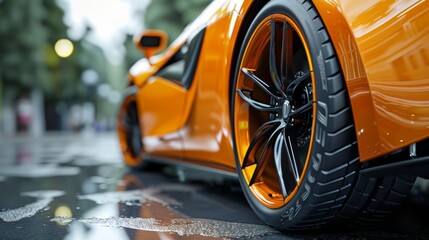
{"x":76,"y":187}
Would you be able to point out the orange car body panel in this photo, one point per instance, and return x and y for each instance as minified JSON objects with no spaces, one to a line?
{"x":208,"y":133}
{"x":383,"y":50}
{"x":383,"y":47}
{"x":192,"y":123}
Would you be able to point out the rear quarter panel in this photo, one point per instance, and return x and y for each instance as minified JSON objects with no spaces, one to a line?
{"x":383,"y":47}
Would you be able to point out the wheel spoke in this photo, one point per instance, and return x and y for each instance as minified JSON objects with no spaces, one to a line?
{"x":259,"y":82}
{"x":133,"y":118}
{"x":257,"y":139}
{"x":295,"y":83}
{"x":255,"y":104}
{"x":302,"y":109}
{"x":278,"y":152}
{"x":272,"y":61}
{"x":283,"y":73}
{"x":125,"y":121}
{"x":286,"y":51}
{"x":292,"y":153}
{"x":135,"y":140}
{"x":261,"y":162}
{"x":132,"y":111}
{"x":129,"y":118}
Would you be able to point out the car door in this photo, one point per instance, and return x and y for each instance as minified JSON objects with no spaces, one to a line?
{"x":165,"y":100}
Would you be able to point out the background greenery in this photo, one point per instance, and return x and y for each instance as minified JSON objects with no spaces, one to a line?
{"x":28,"y":32}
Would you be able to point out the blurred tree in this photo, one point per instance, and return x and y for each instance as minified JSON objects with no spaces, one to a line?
{"x":28,"y":61}
{"x":28,"y":32}
{"x":22,"y":40}
{"x":62,"y":72}
{"x":66,"y":73}
{"x":132,"y":54}
{"x":173,"y":16}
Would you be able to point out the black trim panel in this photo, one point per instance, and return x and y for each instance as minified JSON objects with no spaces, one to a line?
{"x":417,"y":166}
{"x":181,"y":67}
{"x":190,"y":165}
{"x":191,"y":60}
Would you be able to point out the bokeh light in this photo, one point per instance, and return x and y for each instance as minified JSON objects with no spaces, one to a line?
{"x":64,"y":48}
{"x":65,"y":212}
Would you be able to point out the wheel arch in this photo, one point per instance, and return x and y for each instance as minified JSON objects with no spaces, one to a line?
{"x":355,"y":77}
{"x":352,"y":68}
{"x":251,"y":13}
{"x":129,"y":97}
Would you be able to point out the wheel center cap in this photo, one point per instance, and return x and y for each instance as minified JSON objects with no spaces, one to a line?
{"x":286,"y":109}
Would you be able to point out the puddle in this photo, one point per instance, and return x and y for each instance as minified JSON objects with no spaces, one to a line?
{"x":44,"y":194}
{"x":161,"y":220}
{"x":103,"y":182}
{"x":181,"y":226}
{"x":29,"y":210}
{"x":87,"y":161}
{"x":140,"y":196}
{"x":38,"y":171}
{"x":134,"y":197}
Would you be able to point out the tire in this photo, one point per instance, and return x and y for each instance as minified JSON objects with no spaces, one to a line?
{"x":372,"y":199}
{"x":129,"y":133}
{"x":293,"y":134}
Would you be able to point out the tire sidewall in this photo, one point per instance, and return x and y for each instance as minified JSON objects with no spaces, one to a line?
{"x":297,"y":208}
{"x":130,"y":98}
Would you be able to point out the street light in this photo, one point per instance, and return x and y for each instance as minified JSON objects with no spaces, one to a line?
{"x":64,"y":48}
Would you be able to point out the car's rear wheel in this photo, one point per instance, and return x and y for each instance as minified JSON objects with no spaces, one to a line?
{"x":293,"y":132}
{"x":129,"y":133}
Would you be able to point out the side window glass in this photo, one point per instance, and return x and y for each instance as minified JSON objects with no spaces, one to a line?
{"x":174,"y":68}
{"x":181,"y":67}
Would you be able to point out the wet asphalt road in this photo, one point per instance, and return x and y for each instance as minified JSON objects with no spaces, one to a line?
{"x":76,"y":187}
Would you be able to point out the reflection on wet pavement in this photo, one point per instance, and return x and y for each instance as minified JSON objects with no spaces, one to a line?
{"x":76,"y":187}
{"x":151,"y":198}
{"x":138,"y":197}
{"x":94,"y":189}
{"x":182,"y":226}
{"x":44,"y":198}
{"x":38,"y":170}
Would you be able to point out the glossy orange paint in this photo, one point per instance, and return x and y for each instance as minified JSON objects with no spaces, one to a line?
{"x":383,"y":47}
{"x":155,"y":210}
{"x":383,"y":51}
{"x":192,"y":123}
{"x":207,"y":135}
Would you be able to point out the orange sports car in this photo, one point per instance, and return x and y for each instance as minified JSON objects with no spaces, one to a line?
{"x":320,"y":108}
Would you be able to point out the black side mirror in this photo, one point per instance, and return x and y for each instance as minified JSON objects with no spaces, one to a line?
{"x":151,"y":42}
